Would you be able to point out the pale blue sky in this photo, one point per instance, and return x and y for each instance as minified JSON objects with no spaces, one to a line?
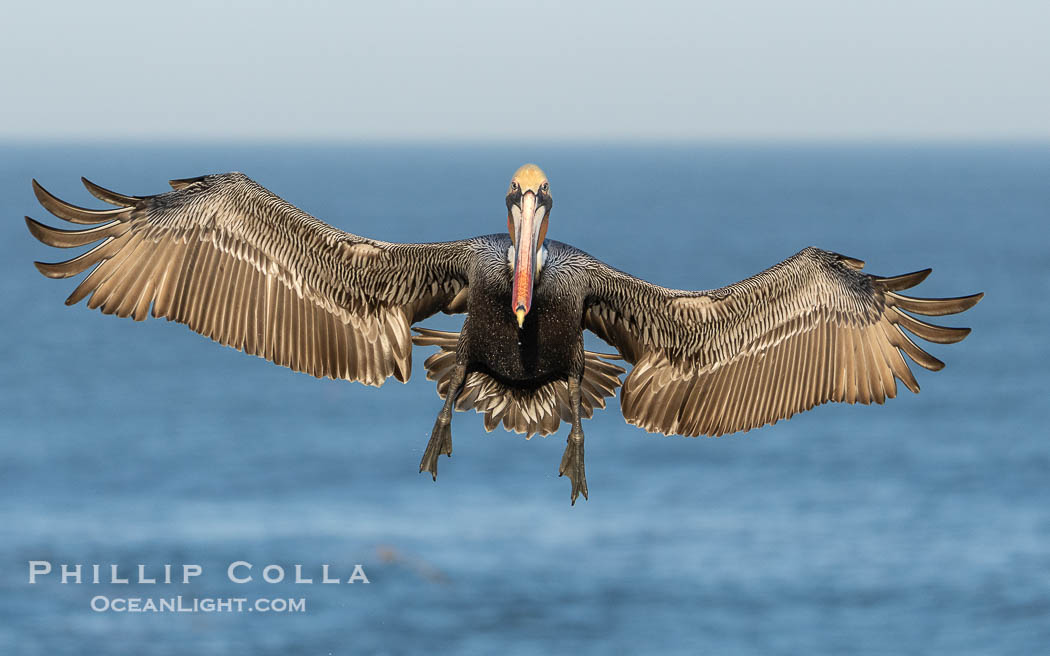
{"x":746,"y":69}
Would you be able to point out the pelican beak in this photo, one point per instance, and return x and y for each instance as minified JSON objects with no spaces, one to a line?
{"x":526,"y":221}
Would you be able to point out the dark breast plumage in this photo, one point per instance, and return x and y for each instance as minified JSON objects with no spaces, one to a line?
{"x":552,"y":335}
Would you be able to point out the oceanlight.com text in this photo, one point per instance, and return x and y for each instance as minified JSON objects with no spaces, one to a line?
{"x":181,"y":604}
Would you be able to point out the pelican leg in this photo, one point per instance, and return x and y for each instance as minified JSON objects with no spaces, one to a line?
{"x":441,"y":437}
{"x":572,"y":461}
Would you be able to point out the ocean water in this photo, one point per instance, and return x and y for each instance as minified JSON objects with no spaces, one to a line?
{"x":917,"y":527}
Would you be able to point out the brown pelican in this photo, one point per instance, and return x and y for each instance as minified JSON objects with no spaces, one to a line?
{"x":240,"y":265}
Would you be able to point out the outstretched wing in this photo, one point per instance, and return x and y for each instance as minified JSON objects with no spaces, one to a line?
{"x":236,"y":263}
{"x":809,"y":330}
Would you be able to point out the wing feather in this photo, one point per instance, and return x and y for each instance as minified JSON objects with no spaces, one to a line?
{"x":236,"y":263}
{"x":807,"y":331}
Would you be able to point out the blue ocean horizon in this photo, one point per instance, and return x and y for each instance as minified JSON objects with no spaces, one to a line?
{"x":920,"y":526}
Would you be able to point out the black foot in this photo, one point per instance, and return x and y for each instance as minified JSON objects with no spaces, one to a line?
{"x":440,"y":443}
{"x":572,"y":466}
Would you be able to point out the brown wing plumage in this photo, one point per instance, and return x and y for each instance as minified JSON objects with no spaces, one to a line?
{"x":809,"y":330}
{"x":240,"y":265}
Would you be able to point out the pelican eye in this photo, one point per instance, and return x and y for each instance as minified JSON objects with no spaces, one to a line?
{"x":513,"y":186}
{"x":545,"y":187}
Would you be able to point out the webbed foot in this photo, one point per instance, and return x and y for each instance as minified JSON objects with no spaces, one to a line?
{"x":572,"y":465}
{"x":440,"y":443}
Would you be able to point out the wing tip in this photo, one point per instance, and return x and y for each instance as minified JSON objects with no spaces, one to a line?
{"x":851,"y":262}
{"x":39,"y":191}
{"x":182,"y":183}
{"x":912,"y":384}
{"x":935,"y":306}
{"x":52,"y":270}
{"x":68,"y":211}
{"x":38,"y":230}
{"x":108,"y":195}
{"x":903,"y":281}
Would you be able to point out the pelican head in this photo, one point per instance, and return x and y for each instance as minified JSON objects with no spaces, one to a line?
{"x":528,"y":208}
